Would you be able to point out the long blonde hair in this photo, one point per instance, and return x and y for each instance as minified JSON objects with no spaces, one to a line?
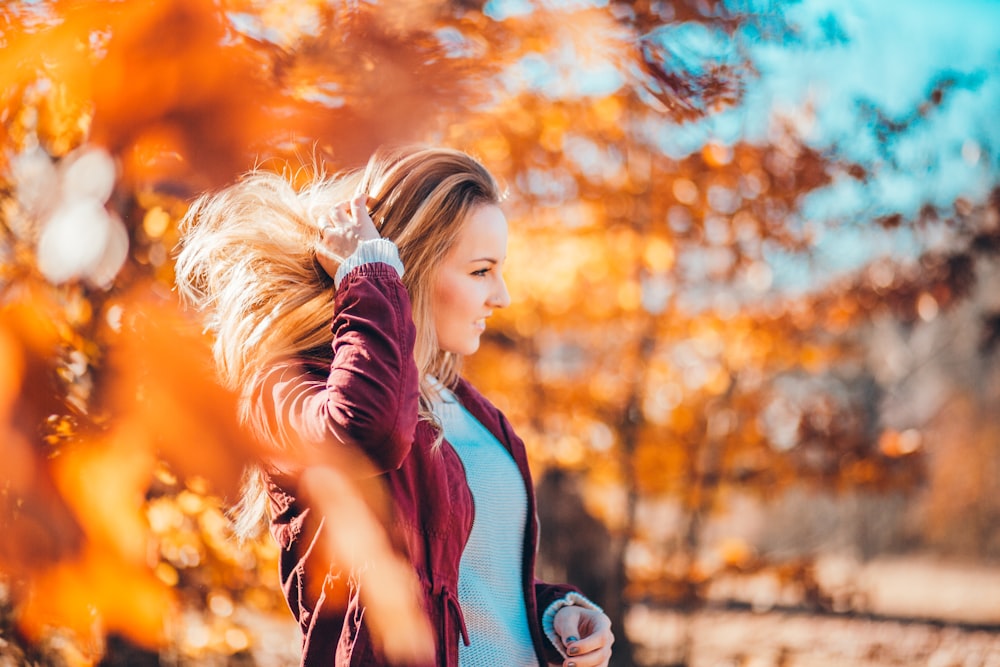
{"x":247,"y":261}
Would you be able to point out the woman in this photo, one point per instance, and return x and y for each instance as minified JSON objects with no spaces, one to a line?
{"x":403,"y":262}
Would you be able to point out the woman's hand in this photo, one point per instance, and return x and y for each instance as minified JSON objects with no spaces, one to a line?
{"x":586,"y":634}
{"x":347,"y":224}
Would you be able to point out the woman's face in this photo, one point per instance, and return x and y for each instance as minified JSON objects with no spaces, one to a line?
{"x":469,"y":282}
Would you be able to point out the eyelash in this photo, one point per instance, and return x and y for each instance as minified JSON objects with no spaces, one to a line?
{"x":481,"y":273}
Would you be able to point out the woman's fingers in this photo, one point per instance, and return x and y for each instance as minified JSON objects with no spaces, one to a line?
{"x":324,"y":226}
{"x":594,"y":659}
{"x":359,"y":211}
{"x":350,"y":218}
{"x":594,"y":649}
{"x":342,"y":216}
{"x":342,"y":229}
{"x":587,"y":637}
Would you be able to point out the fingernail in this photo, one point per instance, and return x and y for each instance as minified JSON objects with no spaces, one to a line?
{"x":570,"y":664}
{"x":573,"y":650}
{"x":572,"y":639}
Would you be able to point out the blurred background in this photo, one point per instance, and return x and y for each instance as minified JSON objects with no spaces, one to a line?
{"x":753,"y":349}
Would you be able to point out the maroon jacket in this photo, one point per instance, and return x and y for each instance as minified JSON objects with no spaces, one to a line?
{"x":370,"y":396}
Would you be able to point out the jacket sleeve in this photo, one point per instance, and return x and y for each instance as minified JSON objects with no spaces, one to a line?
{"x":368,"y":399}
{"x":547,"y":594}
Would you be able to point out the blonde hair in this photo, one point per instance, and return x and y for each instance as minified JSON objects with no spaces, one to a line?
{"x":248,"y":262}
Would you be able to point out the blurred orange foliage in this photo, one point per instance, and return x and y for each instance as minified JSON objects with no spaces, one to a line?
{"x":79,"y":536}
{"x":646,"y":350}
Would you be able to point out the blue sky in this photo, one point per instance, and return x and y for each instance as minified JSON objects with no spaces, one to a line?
{"x":888,"y":54}
{"x":894,"y":51}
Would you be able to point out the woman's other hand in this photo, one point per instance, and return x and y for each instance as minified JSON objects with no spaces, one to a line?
{"x":586,"y":635}
{"x":347,"y":225}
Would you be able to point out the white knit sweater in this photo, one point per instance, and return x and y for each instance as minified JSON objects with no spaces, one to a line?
{"x":489,"y":576}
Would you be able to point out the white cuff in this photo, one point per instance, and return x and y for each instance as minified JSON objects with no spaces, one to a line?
{"x":368,"y":251}
{"x":549,"y":617}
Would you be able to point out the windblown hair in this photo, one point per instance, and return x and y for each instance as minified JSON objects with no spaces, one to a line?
{"x":248,"y":263}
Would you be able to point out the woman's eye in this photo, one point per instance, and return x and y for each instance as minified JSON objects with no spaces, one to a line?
{"x":480,"y":273}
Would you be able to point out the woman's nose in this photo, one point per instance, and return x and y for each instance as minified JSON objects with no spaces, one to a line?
{"x":500,"y":298}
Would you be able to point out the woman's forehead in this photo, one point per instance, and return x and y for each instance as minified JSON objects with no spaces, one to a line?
{"x":483,"y":234}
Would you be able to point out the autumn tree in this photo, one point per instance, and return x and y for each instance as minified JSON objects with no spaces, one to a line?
{"x":649,"y":350}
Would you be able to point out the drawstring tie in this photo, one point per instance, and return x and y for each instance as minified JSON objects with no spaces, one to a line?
{"x":451,"y":610}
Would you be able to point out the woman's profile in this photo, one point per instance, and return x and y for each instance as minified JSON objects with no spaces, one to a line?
{"x":341,"y":311}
